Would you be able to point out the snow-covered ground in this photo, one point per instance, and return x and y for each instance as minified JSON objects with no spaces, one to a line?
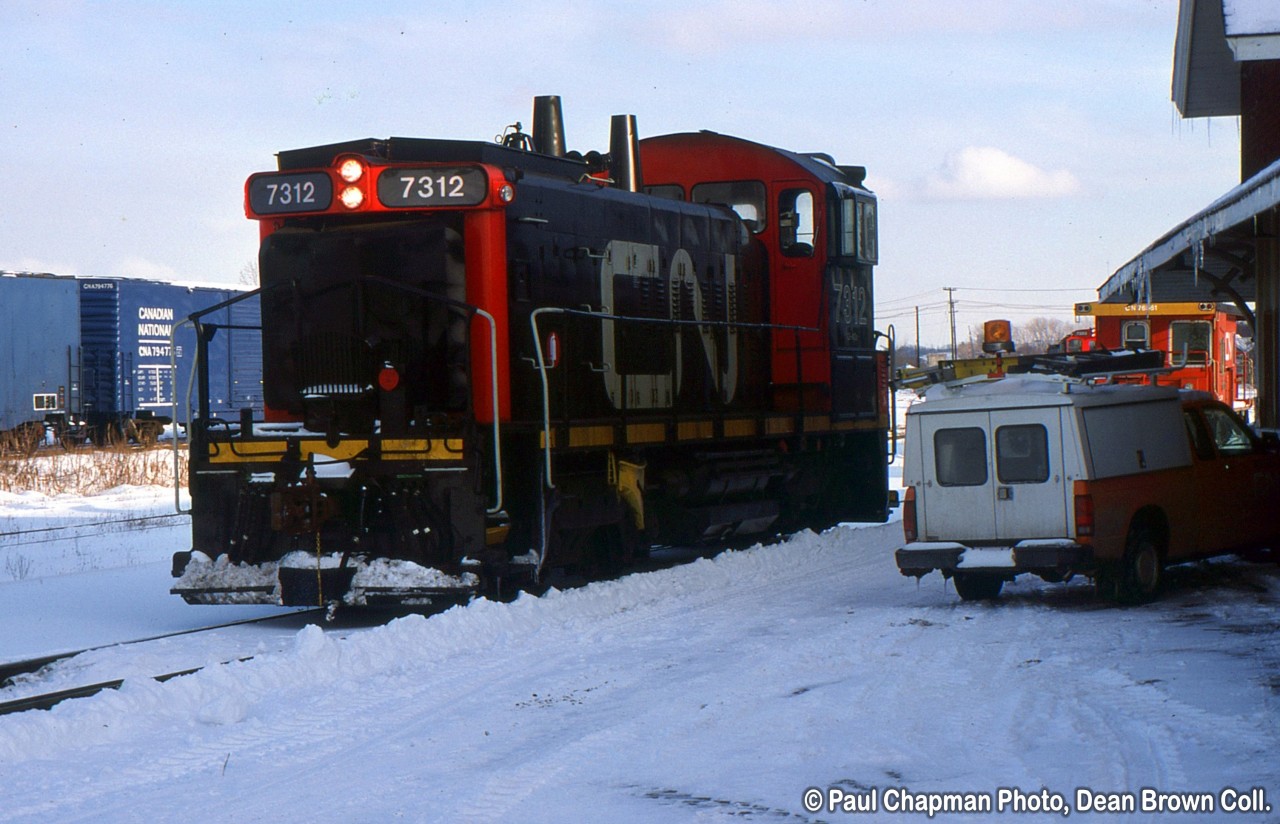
{"x":77,"y":572}
{"x":721,"y":690}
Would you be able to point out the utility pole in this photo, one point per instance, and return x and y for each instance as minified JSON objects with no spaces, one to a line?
{"x":951,"y":307}
{"x":917,"y":337}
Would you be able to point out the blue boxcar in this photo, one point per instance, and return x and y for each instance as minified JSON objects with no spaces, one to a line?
{"x":113,"y":342}
{"x":128,"y":361}
{"x":39,"y":329}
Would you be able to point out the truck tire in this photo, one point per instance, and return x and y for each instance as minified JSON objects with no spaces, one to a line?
{"x":1138,"y":577}
{"x":972,"y":586}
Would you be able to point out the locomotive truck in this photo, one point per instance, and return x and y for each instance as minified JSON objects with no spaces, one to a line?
{"x":485,"y":361}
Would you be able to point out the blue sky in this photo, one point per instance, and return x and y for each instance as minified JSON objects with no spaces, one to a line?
{"x":1022,"y":149}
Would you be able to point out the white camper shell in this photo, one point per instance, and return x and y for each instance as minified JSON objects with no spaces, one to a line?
{"x":1057,"y":477}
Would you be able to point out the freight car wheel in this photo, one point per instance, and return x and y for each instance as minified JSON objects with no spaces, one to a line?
{"x":972,"y":586}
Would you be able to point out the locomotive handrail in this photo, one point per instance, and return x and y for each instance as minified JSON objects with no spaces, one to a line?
{"x":198,"y":368}
{"x":541,"y":365}
{"x":493,"y":374}
{"x":191,"y":377}
{"x":891,"y":339}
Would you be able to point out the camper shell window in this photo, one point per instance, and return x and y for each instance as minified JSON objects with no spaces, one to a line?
{"x":1022,"y":454}
{"x":960,"y":456}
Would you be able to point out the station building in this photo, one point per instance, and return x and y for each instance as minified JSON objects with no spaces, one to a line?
{"x":1226,"y":63}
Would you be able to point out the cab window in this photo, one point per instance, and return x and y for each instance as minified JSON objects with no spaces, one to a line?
{"x":960,"y":456}
{"x":746,"y":197}
{"x":1190,"y":339}
{"x":670,"y":191}
{"x":1022,"y":454}
{"x":795,"y":222}
{"x":1229,"y":435}
{"x":858,"y":229}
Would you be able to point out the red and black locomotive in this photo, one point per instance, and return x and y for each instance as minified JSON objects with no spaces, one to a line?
{"x":486,"y":361}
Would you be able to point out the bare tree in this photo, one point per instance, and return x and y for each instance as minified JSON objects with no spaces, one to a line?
{"x":1036,"y":335}
{"x":249,"y":274}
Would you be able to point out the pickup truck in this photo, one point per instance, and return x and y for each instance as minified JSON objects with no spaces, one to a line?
{"x":1056,"y":477}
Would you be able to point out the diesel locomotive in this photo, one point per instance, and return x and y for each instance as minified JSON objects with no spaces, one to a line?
{"x":484,"y":362}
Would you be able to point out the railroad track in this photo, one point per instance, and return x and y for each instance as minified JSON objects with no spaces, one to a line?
{"x":50,"y":534}
{"x":662,"y":558}
{"x":48,"y":700}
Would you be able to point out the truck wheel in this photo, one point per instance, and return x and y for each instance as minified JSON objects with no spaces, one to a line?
{"x":1141,"y":570}
{"x":972,"y":586}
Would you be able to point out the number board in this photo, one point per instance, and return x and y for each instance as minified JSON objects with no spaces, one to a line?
{"x":271,"y":194}
{"x":438,"y":186}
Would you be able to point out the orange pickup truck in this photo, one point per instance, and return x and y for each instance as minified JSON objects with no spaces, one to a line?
{"x":1056,"y":477}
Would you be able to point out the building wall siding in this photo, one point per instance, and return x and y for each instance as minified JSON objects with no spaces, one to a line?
{"x":1259,"y":116}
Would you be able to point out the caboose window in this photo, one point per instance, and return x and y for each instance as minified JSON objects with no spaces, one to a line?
{"x":44,"y":402}
{"x":1190,"y":339}
{"x":746,"y":197}
{"x":1136,"y":334}
{"x":795,"y":222}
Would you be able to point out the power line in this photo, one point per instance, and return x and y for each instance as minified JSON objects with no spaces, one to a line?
{"x":1002,"y":289}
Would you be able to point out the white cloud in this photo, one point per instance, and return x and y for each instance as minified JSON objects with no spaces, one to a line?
{"x":988,"y":173}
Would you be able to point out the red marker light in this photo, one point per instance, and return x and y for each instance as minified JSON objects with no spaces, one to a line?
{"x":388,"y":378}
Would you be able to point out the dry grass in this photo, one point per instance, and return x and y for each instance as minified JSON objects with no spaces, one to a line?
{"x":90,"y":471}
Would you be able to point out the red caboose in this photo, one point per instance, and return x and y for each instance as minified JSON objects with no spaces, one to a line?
{"x":1198,"y":339}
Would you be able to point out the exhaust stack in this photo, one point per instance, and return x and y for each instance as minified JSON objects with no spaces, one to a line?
{"x":548,"y":125}
{"x":624,"y":153}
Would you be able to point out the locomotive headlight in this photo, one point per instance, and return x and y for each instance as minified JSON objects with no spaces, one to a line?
{"x":351,"y":169}
{"x":507,"y":192}
{"x":352,"y":197}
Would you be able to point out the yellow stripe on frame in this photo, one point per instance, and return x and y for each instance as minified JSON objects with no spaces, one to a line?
{"x":590,"y":436}
{"x":393,"y":449}
{"x":448,"y":449}
{"x":646,"y":432}
{"x":817,"y":423}
{"x":779,"y":426}
{"x":695,"y":430}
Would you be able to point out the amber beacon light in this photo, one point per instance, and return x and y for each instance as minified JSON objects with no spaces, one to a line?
{"x":997,"y":336}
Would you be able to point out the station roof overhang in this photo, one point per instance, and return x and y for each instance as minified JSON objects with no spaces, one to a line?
{"x":1208,"y":257}
{"x":1214,"y":37}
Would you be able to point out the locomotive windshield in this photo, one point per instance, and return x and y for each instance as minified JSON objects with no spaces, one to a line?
{"x":372,"y":332}
{"x":858,"y":227}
